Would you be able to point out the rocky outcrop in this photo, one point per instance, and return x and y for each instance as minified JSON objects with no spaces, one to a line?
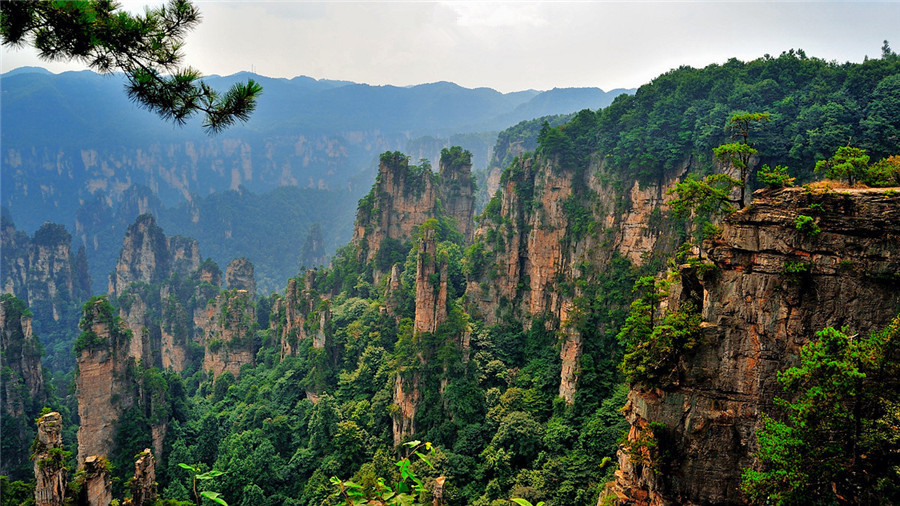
{"x":299,"y":315}
{"x":42,"y":270}
{"x":96,"y":487}
{"x":144,"y":257}
{"x":404,"y":197}
{"x":148,"y":256}
{"x":20,"y":356}
{"x":406,"y":399}
{"x":313,"y":252}
{"x":772,"y":288}
{"x":239,"y":275}
{"x":457,"y":189}
{"x":49,"y":462}
{"x":431,"y":285}
{"x":22,"y":391}
{"x":104,"y":383}
{"x":548,"y":232}
{"x":227,"y":330}
{"x":158,"y":285}
{"x":143,"y":484}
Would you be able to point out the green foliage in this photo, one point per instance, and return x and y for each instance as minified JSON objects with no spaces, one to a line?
{"x":146,"y":47}
{"x":407,"y":490}
{"x":98,"y":310}
{"x":807,"y":225}
{"x":197,"y":475}
{"x":705,"y":197}
{"x":837,"y":439}
{"x":795,"y":270}
{"x":884,"y":172}
{"x":16,"y":493}
{"x":847,"y":163}
{"x":579,"y":217}
{"x":653,"y":345}
{"x":775,"y":178}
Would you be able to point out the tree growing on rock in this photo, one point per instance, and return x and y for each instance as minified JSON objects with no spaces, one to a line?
{"x":738,"y":154}
{"x":838,"y":441}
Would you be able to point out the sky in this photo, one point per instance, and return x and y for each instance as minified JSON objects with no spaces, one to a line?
{"x":512,"y":46}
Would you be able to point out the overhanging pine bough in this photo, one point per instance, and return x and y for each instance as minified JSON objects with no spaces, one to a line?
{"x":147,"y":48}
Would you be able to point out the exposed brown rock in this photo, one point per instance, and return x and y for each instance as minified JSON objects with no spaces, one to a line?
{"x":457,"y":190}
{"x":406,"y":399}
{"x":43,"y":272}
{"x":239,"y":275}
{"x":299,"y":315}
{"x":49,"y":470}
{"x":404,"y":198}
{"x":143,"y":484}
{"x":103,"y":383}
{"x":145,"y":256}
{"x":226,"y":332}
{"x":96,"y":488}
{"x":20,"y":353}
{"x":431,"y":285}
{"x":756,"y":317}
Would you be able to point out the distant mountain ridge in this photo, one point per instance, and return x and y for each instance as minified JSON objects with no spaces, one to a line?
{"x":74,"y":145}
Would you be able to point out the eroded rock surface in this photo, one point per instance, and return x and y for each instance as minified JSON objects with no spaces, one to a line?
{"x":772,"y":289}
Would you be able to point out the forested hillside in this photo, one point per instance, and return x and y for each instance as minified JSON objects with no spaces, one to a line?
{"x":510,"y":341}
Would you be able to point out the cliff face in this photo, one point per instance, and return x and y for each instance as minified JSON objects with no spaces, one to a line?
{"x":43,"y":272}
{"x":144,"y":256}
{"x":49,"y":470}
{"x":158,"y":284}
{"x":549,"y":232}
{"x":405,"y":197}
{"x":772,"y":288}
{"x":239,"y":275}
{"x":104,"y":383}
{"x":227,"y":330}
{"x":22,"y":392}
{"x":20,"y":351}
{"x":431,"y":285}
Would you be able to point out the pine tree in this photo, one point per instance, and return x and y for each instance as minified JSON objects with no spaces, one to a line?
{"x":146,"y":47}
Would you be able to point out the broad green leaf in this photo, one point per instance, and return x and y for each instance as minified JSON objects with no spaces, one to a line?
{"x":215,"y":497}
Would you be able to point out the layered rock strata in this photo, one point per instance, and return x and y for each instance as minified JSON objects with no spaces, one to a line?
{"x":227,"y":329}
{"x":405,"y":197}
{"x":143,"y":484}
{"x":299,"y":315}
{"x":104,"y":383}
{"x":49,"y":465}
{"x":96,"y":487}
{"x":239,"y":275}
{"x":547,"y":223}
{"x":772,"y":288}
{"x":42,"y":270}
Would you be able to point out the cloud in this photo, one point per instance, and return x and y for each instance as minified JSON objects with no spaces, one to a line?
{"x":495,"y":14}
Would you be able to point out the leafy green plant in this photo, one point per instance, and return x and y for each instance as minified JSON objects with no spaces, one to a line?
{"x":196,"y":475}
{"x":807,"y":225}
{"x":849,"y":163}
{"x":406,"y":491}
{"x":775,"y":178}
{"x":525,"y":502}
{"x":837,"y":440}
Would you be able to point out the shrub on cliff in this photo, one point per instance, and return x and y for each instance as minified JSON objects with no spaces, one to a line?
{"x":838,"y":441}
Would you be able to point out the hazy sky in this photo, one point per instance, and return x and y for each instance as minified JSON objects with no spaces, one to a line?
{"x":513,"y":46}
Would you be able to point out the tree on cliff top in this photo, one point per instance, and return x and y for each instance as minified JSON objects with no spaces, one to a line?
{"x":147,"y":48}
{"x":738,"y":154}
